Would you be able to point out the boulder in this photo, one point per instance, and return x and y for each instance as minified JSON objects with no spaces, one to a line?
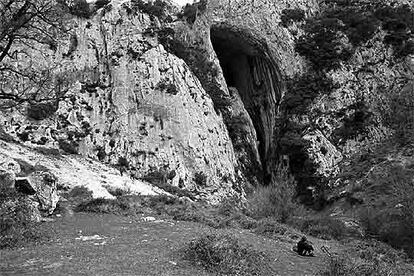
{"x":23,"y":186}
{"x":10,"y":165}
{"x":323,"y":153}
{"x":44,"y":183}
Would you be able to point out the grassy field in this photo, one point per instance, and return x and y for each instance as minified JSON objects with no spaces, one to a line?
{"x":131,"y":246}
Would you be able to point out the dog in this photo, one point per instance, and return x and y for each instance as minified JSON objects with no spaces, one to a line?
{"x":304,"y":247}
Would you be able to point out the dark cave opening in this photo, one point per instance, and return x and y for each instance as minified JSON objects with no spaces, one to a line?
{"x":250,"y":69}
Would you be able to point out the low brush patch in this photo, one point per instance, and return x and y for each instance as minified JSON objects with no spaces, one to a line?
{"x":17,"y":227}
{"x":103,"y":205}
{"x":223,"y":254}
{"x":321,"y":226}
{"x":369,"y":257}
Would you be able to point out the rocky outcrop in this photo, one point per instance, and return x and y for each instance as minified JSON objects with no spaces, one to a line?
{"x":45,"y":187}
{"x":72,"y":171}
{"x":211,"y":102}
{"x":244,"y":138}
{"x":137,"y":107}
{"x":323,"y":154}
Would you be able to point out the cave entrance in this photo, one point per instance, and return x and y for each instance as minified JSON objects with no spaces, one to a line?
{"x":248,"y":66}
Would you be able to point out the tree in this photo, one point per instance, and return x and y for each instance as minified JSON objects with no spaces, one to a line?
{"x":27,"y":72}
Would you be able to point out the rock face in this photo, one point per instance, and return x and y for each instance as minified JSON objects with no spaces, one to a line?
{"x":244,"y":138}
{"x":136,"y":106}
{"x":211,"y":104}
{"x":323,"y":153}
{"x":249,"y":67}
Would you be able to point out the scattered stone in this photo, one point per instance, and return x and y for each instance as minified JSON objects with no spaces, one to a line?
{"x":148,"y":219}
{"x":89,"y":238}
{"x":63,"y":208}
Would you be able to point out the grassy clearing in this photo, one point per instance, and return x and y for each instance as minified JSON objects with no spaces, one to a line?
{"x":226,"y":215}
{"x":223,"y":254}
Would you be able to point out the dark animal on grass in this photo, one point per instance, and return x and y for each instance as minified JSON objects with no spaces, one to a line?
{"x":304,"y":247}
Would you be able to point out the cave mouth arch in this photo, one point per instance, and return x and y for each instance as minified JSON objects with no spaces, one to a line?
{"x":247,"y":65}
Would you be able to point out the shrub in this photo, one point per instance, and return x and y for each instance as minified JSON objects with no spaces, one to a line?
{"x":80,"y":193}
{"x":102,"y":205}
{"x":324,"y":227}
{"x":169,"y":88}
{"x":358,"y":117}
{"x":17,"y":227}
{"x":191,"y":11}
{"x":343,"y":266}
{"x":156,"y":8}
{"x":123,"y":162}
{"x":306,"y":88}
{"x":200,"y":179}
{"x":367,"y":258}
{"x":223,"y":254}
{"x":272,"y":229}
{"x":371,"y":249}
{"x":291,"y":15}
{"x":101,"y":3}
{"x":401,"y":116}
{"x":324,"y":44}
{"x":69,"y":146}
{"x":398,"y":22}
{"x":42,"y":110}
{"x":116,"y":191}
{"x":393,"y":220}
{"x":80,"y":8}
{"x":276,"y":199}
{"x":159,"y":178}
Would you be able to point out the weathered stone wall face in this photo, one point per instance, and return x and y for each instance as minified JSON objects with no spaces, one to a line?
{"x":138,"y":107}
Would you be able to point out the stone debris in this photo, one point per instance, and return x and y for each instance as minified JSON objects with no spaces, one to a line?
{"x":149,"y":219}
{"x":89,"y":238}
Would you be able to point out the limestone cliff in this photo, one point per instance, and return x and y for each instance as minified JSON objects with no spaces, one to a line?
{"x":135,"y":106}
{"x":210,"y":99}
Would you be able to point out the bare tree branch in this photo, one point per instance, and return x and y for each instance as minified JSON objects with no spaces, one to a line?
{"x":26,"y":74}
